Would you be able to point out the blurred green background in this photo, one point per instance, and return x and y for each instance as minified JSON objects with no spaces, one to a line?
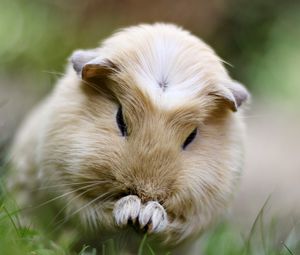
{"x":260,"y":39}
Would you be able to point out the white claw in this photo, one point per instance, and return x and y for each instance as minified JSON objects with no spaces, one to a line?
{"x":154,"y":215}
{"x":127,"y":208}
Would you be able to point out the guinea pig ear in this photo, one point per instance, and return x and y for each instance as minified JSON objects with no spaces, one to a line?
{"x":89,"y":64}
{"x":233,"y":94}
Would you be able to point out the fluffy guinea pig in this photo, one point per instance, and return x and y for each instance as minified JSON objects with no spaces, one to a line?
{"x":144,"y":130}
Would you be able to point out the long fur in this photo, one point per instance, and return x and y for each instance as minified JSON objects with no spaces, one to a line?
{"x":168,"y":82}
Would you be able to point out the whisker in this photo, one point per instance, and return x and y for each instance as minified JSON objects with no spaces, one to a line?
{"x":92,"y":85}
{"x":88,"y":204}
{"x":84,"y":176}
{"x":253,"y":116}
{"x":54,"y":72}
{"x":109,"y":178}
{"x":227,"y":63}
{"x":69,"y":202}
{"x":69,"y":184}
{"x":63,"y":195}
{"x":60,"y":223}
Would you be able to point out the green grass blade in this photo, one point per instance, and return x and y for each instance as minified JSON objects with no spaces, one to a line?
{"x":150,"y":250}
{"x":287,"y":248}
{"x":142,"y":244}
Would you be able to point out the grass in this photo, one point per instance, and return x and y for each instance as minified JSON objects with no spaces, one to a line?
{"x":224,"y":239}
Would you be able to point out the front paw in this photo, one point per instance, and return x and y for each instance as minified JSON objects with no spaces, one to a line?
{"x":127,"y":208}
{"x":153,"y":217}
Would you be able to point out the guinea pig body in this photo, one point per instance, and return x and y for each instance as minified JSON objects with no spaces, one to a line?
{"x":145,"y":130}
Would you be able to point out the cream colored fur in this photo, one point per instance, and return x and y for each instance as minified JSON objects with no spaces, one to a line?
{"x":168,"y":82}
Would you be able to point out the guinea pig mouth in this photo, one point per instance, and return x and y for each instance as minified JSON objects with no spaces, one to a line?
{"x":146,"y":192}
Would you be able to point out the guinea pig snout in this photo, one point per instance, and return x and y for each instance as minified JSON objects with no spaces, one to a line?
{"x":150,"y":216}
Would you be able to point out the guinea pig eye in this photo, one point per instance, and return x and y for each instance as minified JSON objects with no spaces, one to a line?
{"x":190,"y":138}
{"x":121,"y":123}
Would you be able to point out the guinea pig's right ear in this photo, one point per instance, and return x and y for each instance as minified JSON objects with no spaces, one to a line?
{"x":232,"y":93}
{"x":88,"y":64}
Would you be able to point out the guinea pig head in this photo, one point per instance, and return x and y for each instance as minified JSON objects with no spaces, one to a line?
{"x":177,"y":137}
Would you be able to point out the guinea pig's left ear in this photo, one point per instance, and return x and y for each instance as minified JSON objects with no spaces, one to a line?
{"x":88,"y":64}
{"x":233,"y":94}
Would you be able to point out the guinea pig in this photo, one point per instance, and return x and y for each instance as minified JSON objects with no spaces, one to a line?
{"x":145,"y":130}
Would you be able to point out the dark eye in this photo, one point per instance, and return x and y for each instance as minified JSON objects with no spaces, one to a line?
{"x":190,"y":138}
{"x":121,"y":123}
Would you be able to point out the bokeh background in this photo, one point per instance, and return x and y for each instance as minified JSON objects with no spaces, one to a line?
{"x":260,"y":40}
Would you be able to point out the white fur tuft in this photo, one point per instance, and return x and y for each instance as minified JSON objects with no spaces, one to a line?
{"x":170,"y":64}
{"x":155,"y":215}
{"x":127,"y":208}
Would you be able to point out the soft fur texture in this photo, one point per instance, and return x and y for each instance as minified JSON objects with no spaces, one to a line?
{"x":168,"y":83}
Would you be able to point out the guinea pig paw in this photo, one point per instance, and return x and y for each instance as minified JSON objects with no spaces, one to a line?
{"x":153,"y":217}
{"x":127,"y":208}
